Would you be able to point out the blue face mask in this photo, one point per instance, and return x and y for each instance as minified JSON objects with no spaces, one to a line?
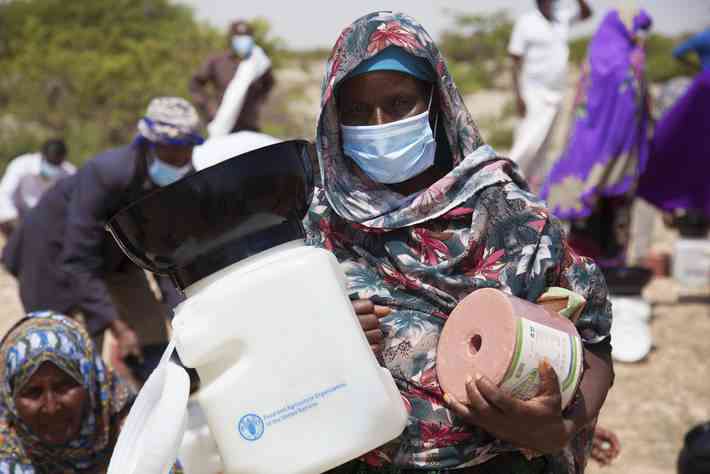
{"x":49,"y":170}
{"x":393,"y":152}
{"x":242,"y":45}
{"x":163,"y":174}
{"x":557,"y":10}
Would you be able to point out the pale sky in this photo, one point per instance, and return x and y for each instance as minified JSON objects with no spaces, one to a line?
{"x":317,"y":23}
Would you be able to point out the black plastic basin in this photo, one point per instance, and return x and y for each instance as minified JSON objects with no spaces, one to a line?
{"x":692,"y":224}
{"x":220,"y":215}
{"x":626,"y":281}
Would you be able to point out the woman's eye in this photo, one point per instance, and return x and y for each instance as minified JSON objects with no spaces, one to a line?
{"x":66,"y":387}
{"x":32,"y":393}
{"x":403,"y":104}
{"x":355,"y":109}
{"x":400,"y":101}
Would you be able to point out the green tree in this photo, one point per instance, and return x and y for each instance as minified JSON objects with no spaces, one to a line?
{"x":578,"y":49}
{"x":274,"y":46}
{"x":476,"y":48}
{"x":660,"y":62}
{"x":86,"y":69}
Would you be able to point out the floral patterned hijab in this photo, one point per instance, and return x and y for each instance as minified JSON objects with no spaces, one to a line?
{"x":49,"y":337}
{"x":477,"y":227}
{"x":362,"y":200}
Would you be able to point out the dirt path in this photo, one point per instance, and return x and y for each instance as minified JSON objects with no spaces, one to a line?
{"x":654,"y":403}
{"x":10,"y":307}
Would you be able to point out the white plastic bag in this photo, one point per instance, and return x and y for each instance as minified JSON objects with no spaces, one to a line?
{"x":248,"y":71}
{"x":153,"y":430}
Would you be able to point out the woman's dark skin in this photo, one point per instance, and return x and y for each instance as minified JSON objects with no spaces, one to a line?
{"x":605,"y":446}
{"x":52,"y":405}
{"x":382,"y":97}
{"x":369,"y":315}
{"x":377,"y":98}
{"x":538,"y":423}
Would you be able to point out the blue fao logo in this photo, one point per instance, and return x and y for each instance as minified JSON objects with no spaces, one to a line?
{"x":251,"y":427}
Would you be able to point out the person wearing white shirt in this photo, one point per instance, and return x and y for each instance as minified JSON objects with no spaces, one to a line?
{"x":539,"y":50}
{"x":27,"y":178}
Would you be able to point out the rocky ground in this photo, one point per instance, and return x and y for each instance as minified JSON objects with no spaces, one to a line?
{"x":653,"y":403}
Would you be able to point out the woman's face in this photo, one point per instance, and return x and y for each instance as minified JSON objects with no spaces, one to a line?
{"x":52,"y":404}
{"x":380,"y":97}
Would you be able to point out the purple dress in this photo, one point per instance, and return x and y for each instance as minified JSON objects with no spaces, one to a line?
{"x":608,"y":146}
{"x":677,"y":173}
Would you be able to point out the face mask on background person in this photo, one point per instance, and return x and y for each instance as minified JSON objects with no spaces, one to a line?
{"x":393,"y":152}
{"x":557,"y":9}
{"x":49,"y":170}
{"x":163,"y":174}
{"x":242,"y":45}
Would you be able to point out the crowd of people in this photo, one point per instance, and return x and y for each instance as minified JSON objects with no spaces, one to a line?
{"x":416,"y":207}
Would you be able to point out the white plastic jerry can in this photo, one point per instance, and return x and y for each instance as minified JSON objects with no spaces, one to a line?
{"x":289,"y":383}
{"x":198,"y":452}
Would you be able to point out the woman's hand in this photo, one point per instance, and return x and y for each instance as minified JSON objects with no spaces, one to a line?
{"x":605,"y":446}
{"x":369,"y":315}
{"x":535,"y":424}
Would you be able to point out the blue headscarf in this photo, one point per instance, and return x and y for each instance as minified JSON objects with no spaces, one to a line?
{"x":394,"y":58}
{"x":50,"y":337}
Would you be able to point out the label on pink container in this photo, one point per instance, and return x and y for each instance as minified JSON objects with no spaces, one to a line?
{"x":535,"y":342}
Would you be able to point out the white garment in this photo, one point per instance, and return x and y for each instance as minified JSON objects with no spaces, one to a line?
{"x":543,"y":46}
{"x":19,"y":168}
{"x":249,"y":70}
{"x":534,"y":132}
{"x":216,"y":150}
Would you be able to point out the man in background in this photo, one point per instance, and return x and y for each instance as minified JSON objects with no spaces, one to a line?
{"x":539,"y":50}
{"x":65,"y":261}
{"x":27,"y":178}
{"x":234,"y":69}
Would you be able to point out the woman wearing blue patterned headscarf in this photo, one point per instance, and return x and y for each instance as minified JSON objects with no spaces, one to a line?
{"x":61,"y":408}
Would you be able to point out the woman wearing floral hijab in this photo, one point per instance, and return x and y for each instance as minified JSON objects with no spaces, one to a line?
{"x":420,"y":213}
{"x":61,"y":408}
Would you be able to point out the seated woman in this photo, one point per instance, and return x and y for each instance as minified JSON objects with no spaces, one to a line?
{"x":420,"y":213}
{"x":61,"y":408}
{"x":594,"y":182}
